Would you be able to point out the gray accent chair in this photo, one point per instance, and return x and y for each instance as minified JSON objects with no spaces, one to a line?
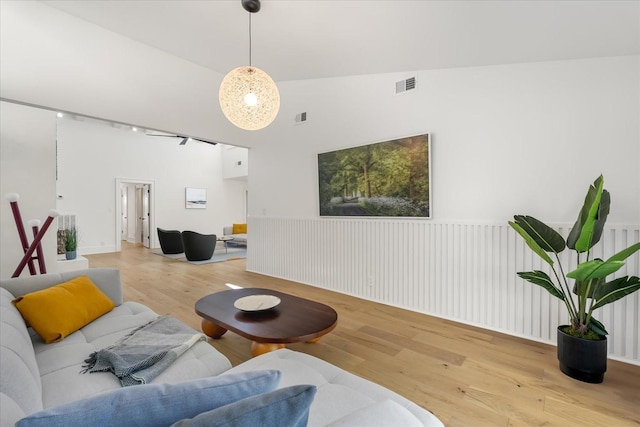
{"x":170,"y":241}
{"x":198,"y":247}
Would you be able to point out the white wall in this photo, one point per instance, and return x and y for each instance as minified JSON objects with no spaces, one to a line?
{"x":506,"y":139}
{"x":235,"y":162}
{"x":509,"y":139}
{"x":27,"y":167}
{"x":92,"y":155}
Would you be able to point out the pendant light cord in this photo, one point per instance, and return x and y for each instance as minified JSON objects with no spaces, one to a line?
{"x":249,"y":39}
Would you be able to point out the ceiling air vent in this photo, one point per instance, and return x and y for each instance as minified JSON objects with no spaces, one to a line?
{"x":406,"y":85}
{"x":301,"y":118}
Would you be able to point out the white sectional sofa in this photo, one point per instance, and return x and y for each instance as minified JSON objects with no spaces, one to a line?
{"x":36,"y":376}
{"x":238,"y":238}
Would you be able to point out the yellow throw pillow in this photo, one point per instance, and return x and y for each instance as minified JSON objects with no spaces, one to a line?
{"x":239,"y":229}
{"x":62,"y":309}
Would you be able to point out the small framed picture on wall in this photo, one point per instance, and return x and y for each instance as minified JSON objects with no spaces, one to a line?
{"x":196,"y":198}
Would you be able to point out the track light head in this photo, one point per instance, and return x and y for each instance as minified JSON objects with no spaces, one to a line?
{"x":251,"y":6}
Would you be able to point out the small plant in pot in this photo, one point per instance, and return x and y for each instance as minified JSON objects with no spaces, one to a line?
{"x":71,"y":243}
{"x":582,"y":345}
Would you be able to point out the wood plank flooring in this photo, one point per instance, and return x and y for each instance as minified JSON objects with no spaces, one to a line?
{"x":465,"y":375}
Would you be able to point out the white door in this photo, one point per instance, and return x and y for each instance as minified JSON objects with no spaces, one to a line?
{"x":138,"y":211}
{"x":142,"y":214}
{"x":146,"y":215}
{"x":139,"y":218}
{"x":123,"y":212}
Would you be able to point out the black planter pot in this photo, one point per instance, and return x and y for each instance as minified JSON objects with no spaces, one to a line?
{"x":582,"y":359}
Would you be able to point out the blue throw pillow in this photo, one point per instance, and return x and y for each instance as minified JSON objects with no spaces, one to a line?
{"x":286,"y":407}
{"x":155,"y":404}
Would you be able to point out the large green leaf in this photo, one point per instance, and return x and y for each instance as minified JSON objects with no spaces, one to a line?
{"x":601,"y":219}
{"x":598,"y":288}
{"x":625,"y":253}
{"x":597,"y":327}
{"x":611,"y":286}
{"x":541,"y":278}
{"x":546,"y":237}
{"x":531,"y":243}
{"x":581,"y":236}
{"x":616,"y":289}
{"x":595,"y":269}
{"x":579,"y":287}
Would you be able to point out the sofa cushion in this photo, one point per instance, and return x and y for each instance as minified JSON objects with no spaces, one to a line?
{"x":385,"y":414}
{"x":343,"y":392}
{"x":238,"y":240}
{"x":287,"y":407}
{"x":239,"y":229}
{"x":20,"y":388}
{"x":61,"y":363}
{"x":62,"y":309}
{"x":107,"y":279}
{"x":156,"y":404}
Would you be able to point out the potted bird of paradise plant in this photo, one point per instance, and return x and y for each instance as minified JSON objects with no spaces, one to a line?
{"x":582,"y":344}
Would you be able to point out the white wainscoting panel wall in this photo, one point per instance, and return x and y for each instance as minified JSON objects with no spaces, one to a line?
{"x":460,"y":271}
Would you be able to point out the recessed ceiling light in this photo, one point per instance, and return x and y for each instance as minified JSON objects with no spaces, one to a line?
{"x":60,"y":115}
{"x":135,"y":129}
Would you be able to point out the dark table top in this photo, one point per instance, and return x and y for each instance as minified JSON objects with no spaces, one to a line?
{"x":295,"y":319}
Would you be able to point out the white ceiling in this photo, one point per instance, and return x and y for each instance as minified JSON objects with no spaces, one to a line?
{"x":301,"y":39}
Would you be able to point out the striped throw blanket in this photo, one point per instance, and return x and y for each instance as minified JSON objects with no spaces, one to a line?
{"x":145,"y":352}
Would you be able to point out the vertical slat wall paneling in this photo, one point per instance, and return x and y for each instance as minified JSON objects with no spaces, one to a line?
{"x":633,"y":267}
{"x":460,"y":271}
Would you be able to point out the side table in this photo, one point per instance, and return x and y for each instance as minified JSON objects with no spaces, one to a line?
{"x":225,"y":240}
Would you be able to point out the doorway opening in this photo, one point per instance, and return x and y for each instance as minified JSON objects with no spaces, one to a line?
{"x":135,"y":212}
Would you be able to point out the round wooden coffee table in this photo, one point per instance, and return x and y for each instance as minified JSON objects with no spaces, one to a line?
{"x":295,"y":319}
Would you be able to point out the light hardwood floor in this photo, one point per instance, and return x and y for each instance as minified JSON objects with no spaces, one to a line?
{"x":465,"y":375}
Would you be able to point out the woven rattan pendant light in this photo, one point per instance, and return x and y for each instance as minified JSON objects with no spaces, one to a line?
{"x":249,"y":98}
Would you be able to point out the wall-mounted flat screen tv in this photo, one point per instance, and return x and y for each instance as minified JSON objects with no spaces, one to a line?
{"x":385,"y":179}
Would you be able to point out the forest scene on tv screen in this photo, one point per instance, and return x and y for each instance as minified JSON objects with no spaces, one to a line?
{"x":389,"y":178}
